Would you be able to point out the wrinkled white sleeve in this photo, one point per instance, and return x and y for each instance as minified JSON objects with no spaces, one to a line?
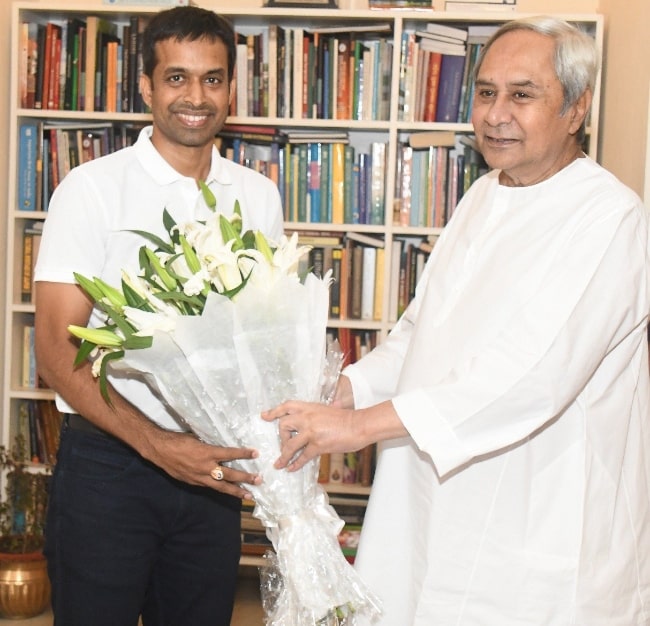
{"x":537,"y":364}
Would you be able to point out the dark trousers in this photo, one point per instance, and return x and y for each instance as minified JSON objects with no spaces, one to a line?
{"x":123,"y":539}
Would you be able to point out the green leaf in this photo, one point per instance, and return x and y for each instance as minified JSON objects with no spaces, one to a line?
{"x":208,"y":196}
{"x":161,"y":244}
{"x":114,"y":296}
{"x":248,"y":238}
{"x":236,"y":219}
{"x":191,"y":258}
{"x":263,"y":246}
{"x":170,"y":226}
{"x":99,"y":336}
{"x":230,"y":233}
{"x":85,"y":350}
{"x":138,"y":342}
{"x":89,"y":287}
{"x":103,"y":374}
{"x":134,"y":299}
{"x":156,"y":265}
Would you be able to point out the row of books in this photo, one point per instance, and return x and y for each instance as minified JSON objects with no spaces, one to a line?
{"x":93,"y":64}
{"x":358,"y":268}
{"x":327,"y":73}
{"x":348,"y":468}
{"x":431,"y":179}
{"x":39,"y":422}
{"x":326,"y":180}
{"x":89,"y":64}
{"x":47,"y":151}
{"x":436,"y":72}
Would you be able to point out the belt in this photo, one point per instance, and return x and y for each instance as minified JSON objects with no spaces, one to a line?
{"x":74,"y":421}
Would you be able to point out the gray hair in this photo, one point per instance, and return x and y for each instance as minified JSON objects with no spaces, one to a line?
{"x":576,"y":54}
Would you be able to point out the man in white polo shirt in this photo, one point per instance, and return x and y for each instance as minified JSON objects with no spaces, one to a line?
{"x":139,"y":521}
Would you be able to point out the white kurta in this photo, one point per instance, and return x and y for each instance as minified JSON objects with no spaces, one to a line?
{"x":521,"y":373}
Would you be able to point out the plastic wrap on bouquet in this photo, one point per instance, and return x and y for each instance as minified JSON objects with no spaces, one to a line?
{"x":218,"y":371}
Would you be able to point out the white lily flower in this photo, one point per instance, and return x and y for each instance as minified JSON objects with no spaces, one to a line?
{"x":288,"y":254}
{"x":196,"y":283}
{"x":147,"y":322}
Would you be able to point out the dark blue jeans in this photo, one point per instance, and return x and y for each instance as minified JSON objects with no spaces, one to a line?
{"x":123,"y":539}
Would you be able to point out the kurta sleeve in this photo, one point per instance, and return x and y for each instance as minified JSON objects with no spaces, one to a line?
{"x":511,"y":339}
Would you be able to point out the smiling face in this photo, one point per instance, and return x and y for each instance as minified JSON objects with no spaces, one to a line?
{"x":517,"y":110}
{"x":189,"y":96}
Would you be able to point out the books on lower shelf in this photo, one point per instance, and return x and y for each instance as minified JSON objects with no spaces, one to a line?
{"x":39,"y":421}
{"x":351,"y":511}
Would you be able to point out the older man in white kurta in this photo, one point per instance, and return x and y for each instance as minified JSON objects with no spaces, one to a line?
{"x":525,"y":483}
{"x":514,"y":394}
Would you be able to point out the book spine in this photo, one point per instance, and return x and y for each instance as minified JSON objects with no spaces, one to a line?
{"x":315,"y":166}
{"x":27,"y":155}
{"x":377,"y":183}
{"x":368,"y":280}
{"x":451,"y":78}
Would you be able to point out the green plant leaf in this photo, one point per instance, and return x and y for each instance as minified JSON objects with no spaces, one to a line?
{"x":208,"y":196}
{"x":103,"y":374}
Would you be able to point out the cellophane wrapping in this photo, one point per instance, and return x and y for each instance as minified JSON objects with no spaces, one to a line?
{"x":218,"y":371}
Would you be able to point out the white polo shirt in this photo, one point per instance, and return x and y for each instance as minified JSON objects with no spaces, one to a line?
{"x":95,"y":207}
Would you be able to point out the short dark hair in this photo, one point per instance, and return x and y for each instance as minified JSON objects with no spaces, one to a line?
{"x":186,"y":23}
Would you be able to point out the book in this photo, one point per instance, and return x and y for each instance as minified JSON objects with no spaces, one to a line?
{"x":41,"y":33}
{"x":94,"y":27}
{"x":432,"y":83}
{"x":343,"y":86}
{"x":434,"y":45}
{"x":272,"y":51}
{"x":366,"y":240}
{"x":395,"y":256}
{"x":427,"y":138}
{"x":336,"y":467}
{"x":23,"y":62}
{"x":31,"y":66}
{"x":72,"y":65}
{"x":451,"y":77}
{"x":29,"y":376}
{"x":445,"y":30}
{"x":480,"y":5}
{"x":480,"y":33}
{"x":324,"y":468}
{"x":377,"y":183}
{"x":337,"y":160}
{"x":368,"y":283}
{"x":356,"y":282}
{"x":27,"y":157}
{"x":297,"y":55}
{"x":32,"y":233}
{"x":380,"y":268}
{"x":335,"y":288}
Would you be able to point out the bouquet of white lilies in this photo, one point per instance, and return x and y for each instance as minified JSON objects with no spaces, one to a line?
{"x":222,"y":327}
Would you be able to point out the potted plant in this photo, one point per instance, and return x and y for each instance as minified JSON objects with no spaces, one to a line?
{"x":24,"y":584}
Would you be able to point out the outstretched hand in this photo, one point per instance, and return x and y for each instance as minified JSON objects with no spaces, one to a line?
{"x":309,"y":429}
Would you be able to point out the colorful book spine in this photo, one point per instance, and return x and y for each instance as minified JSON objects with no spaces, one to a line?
{"x":27,"y":155}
